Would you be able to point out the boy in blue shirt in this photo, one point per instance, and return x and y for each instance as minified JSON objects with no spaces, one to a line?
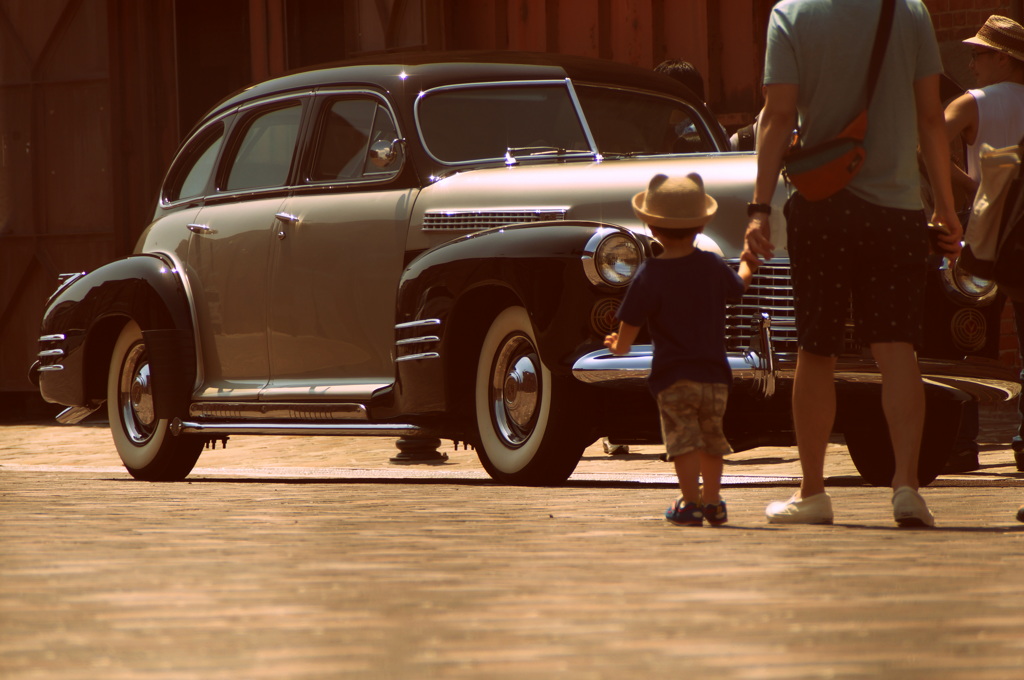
{"x":681,"y":294}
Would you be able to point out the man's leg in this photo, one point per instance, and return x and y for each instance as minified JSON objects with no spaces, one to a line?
{"x":903,"y":404}
{"x":814,"y":412}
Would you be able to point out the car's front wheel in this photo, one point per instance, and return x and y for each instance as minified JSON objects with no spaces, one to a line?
{"x":144,"y":442}
{"x":529,"y":429}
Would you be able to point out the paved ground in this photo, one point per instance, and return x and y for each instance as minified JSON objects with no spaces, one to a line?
{"x":315,"y":558}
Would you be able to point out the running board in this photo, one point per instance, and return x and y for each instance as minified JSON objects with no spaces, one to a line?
{"x":179,"y":427}
{"x":76,"y":414}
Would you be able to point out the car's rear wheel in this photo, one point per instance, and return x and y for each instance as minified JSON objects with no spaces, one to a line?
{"x":144,"y":442}
{"x":867,"y":438}
{"x":528,"y":426}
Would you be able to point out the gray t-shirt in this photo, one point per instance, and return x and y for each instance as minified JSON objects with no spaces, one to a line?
{"x":824,"y":47}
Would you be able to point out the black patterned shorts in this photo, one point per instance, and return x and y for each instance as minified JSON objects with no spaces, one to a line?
{"x":691,"y":418}
{"x":845,"y":254}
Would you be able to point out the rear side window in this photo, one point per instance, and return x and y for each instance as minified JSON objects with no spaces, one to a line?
{"x":348,"y":130}
{"x":264,"y":155}
{"x":191,"y":176}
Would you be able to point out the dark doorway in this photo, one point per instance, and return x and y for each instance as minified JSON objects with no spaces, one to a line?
{"x":213,"y":54}
{"x":316,"y":32}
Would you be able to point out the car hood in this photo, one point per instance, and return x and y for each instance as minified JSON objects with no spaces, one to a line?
{"x":598,"y":191}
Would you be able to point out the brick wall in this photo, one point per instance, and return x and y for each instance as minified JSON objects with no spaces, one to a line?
{"x":955,"y":20}
{"x":1008,"y":347}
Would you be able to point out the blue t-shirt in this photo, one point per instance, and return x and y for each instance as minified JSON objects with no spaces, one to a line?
{"x":682,"y":300}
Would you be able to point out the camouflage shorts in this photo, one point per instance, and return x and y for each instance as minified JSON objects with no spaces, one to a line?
{"x":691,"y":418}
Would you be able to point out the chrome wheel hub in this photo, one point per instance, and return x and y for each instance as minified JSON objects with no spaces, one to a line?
{"x":515,"y":390}
{"x":136,"y":396}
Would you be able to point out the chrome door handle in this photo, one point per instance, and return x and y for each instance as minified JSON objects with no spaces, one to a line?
{"x":286,"y":218}
{"x":199,"y":228}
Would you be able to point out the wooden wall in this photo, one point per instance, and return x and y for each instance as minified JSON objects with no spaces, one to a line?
{"x":96,"y":94}
{"x":59,"y":170}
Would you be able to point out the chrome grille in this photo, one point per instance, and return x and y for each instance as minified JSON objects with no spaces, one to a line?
{"x":475,"y":220}
{"x":771,"y":291}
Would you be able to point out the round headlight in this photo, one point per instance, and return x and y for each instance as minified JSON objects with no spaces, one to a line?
{"x":613,"y":261}
{"x":972,"y":287}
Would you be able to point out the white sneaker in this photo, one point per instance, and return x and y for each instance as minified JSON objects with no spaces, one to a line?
{"x":816,"y":509}
{"x":909,"y":509}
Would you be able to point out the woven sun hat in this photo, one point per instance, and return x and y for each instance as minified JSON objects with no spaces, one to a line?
{"x":675,"y":202}
{"x":1002,"y":35}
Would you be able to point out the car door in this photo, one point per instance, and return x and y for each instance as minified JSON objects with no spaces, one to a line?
{"x":230,"y":246}
{"x":335,"y":269}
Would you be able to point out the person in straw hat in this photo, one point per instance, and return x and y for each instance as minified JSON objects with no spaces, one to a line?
{"x":993,"y":114}
{"x":681,"y":295}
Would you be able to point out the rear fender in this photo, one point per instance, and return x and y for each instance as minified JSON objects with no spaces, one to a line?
{"x":83,"y":320}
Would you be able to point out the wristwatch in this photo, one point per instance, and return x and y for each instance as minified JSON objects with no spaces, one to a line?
{"x":758,"y":208}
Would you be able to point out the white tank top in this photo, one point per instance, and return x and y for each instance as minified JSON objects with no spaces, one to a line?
{"x":1000,"y":120}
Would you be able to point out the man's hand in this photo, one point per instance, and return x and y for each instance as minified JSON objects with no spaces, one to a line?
{"x":758,"y":238}
{"x":946,"y":238}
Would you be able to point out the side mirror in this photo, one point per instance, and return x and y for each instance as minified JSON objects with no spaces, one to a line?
{"x":383,"y":153}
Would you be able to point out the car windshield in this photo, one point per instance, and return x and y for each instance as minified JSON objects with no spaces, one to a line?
{"x":635,"y":123}
{"x":517,"y":121}
{"x":486,"y":122}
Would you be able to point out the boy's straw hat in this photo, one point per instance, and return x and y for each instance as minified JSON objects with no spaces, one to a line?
{"x":1002,"y":35}
{"x":675,"y":202}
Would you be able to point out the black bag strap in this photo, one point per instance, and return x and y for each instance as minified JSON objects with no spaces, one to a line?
{"x":881,"y":43}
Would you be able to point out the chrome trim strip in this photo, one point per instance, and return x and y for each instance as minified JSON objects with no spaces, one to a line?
{"x":355,"y":430}
{"x":277,"y":411}
{"x":581,"y":115}
{"x":64,"y":280}
{"x":51,"y":353}
{"x":56,"y":337}
{"x":417,"y":324}
{"x":54,"y":367}
{"x":478,"y":219}
{"x":178,"y":268}
{"x":416,"y":341}
{"x":417,"y":357}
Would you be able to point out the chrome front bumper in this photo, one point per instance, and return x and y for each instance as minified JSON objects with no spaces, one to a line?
{"x":982,"y":380}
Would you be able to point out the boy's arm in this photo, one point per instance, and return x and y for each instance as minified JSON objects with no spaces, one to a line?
{"x":748,"y":267}
{"x":619,"y":343}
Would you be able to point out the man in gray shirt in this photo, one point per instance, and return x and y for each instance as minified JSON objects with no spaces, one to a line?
{"x":868,"y":242}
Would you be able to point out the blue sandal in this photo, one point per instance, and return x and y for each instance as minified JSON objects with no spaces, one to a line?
{"x":716,"y":514}
{"x":689,"y":515}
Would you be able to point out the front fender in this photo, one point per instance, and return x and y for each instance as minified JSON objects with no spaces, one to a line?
{"x":82,"y":320}
{"x":449,"y":294}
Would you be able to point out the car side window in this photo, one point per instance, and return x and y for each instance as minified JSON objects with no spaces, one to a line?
{"x":264,"y":156}
{"x":192,"y":175}
{"x":348,"y":129}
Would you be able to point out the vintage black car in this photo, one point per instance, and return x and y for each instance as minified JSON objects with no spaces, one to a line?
{"x":434,"y":246}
